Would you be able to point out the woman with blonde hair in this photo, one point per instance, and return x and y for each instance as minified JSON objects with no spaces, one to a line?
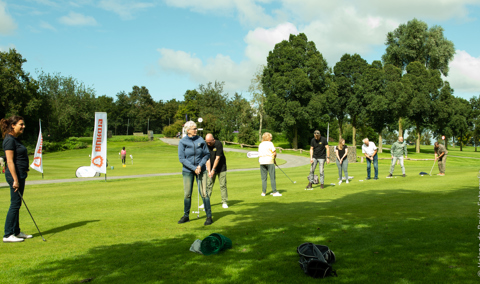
{"x":15,"y":174}
{"x":266,"y":157}
{"x":341,"y":151}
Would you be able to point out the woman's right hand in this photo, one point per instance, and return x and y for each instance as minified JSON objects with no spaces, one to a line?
{"x":15,"y":185}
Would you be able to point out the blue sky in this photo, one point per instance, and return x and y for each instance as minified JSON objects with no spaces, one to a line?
{"x":170,"y":46}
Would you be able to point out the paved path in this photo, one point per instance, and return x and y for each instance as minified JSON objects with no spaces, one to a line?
{"x":291,"y":161}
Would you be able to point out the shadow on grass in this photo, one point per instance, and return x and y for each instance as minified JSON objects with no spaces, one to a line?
{"x":53,"y":231}
{"x":381,"y":236}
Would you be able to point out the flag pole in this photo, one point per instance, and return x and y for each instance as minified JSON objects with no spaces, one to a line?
{"x":40,"y":123}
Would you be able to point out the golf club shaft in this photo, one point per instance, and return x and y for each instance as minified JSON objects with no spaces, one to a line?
{"x":284,"y":173}
{"x":31,"y":216}
{"x":432,"y":167}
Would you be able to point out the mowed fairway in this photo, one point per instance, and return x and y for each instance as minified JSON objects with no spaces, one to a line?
{"x":400,"y":230}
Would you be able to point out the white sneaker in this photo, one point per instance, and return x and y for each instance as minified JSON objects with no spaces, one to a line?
{"x":224,"y":205}
{"x":340,"y":182}
{"x":12,"y":239}
{"x":277,"y":194}
{"x":346,"y":181}
{"x":263,"y":194}
{"x":24,"y":236}
{"x":201,"y":206}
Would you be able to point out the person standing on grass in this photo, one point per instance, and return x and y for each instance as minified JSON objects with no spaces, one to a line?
{"x":217,"y":167}
{"x":440,"y":156}
{"x":15,"y":174}
{"x":398,"y":149}
{"x":266,"y":157}
{"x":123,"y":153}
{"x":341,"y":151}
{"x":193,"y":154}
{"x":319,"y":153}
{"x":370,"y":151}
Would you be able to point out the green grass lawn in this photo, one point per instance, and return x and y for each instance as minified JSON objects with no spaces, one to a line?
{"x":401,"y":230}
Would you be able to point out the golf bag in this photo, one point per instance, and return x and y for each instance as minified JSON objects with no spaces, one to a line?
{"x":316,"y":260}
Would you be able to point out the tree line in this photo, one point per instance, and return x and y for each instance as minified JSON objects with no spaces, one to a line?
{"x":295,"y":93}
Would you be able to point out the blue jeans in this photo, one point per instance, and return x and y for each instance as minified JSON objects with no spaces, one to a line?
{"x":313,"y":166}
{"x":188,"y":179}
{"x":12,"y":225}
{"x":375,"y":166}
{"x":266,"y":170}
{"x":344,"y":167}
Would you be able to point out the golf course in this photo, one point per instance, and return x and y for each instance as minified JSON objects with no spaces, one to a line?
{"x":417,"y":229}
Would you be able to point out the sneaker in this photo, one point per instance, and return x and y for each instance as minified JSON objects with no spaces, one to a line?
{"x":12,"y":239}
{"x":24,"y":236}
{"x":404,"y":175}
{"x":224,"y":205}
{"x":321,"y":186}
{"x":367,"y":178}
{"x":340,"y":182}
{"x":263,"y":194}
{"x":375,"y":178}
{"x":277,"y":194}
{"x":309,"y":186}
{"x":389,"y":176}
{"x":184,"y":219}
{"x":209,"y":221}
{"x":346,"y":181}
{"x":201,"y":206}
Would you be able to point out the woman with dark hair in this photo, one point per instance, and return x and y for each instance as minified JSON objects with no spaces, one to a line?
{"x":341,"y":152}
{"x":15,"y":174}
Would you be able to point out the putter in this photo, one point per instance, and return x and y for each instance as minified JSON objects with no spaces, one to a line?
{"x":285,"y":174}
{"x":31,"y":215}
{"x":432,"y":167}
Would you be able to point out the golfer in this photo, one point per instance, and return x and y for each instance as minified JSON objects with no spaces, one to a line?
{"x":441,"y":157}
{"x":217,"y":167}
{"x":15,"y":174}
{"x":266,"y":157}
{"x":123,"y":153}
{"x":341,"y":151}
{"x":193,"y":154}
{"x":319,"y":152}
{"x":398,"y":149}
{"x":370,"y":151}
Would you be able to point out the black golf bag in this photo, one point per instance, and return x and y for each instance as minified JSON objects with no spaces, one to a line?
{"x":316,"y":260}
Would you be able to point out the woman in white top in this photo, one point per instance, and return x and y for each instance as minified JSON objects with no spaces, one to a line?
{"x":266,"y":157}
{"x":341,"y":151}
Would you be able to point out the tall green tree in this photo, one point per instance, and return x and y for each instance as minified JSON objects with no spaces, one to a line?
{"x":345,"y":99}
{"x":295,"y":73}
{"x":475,"y":119}
{"x":19,"y":92}
{"x":443,"y":112}
{"x":258,"y":98}
{"x":460,"y":119}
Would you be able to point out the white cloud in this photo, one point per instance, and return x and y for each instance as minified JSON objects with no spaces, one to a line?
{"x":6,"y":48}
{"x":124,"y":8}
{"x":47,"y":26}
{"x":76,"y":19}
{"x":7,"y":25}
{"x":464,"y":74}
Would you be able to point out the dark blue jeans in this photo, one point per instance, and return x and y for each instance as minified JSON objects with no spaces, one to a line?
{"x":375,"y":166}
{"x":12,"y":225}
{"x":188,"y":179}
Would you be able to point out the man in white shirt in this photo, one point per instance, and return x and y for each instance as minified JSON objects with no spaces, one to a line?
{"x":370,"y":151}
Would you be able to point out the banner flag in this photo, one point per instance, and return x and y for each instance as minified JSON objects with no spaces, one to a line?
{"x":99,"y":144}
{"x":37,"y":157}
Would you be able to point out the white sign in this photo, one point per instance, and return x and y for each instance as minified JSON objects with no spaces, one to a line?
{"x":99,"y":144}
{"x":200,"y":119}
{"x":37,"y":157}
{"x":83,"y":172}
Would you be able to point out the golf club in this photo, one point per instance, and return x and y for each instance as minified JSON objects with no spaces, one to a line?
{"x":432,"y":167}
{"x":198,"y":201}
{"x":285,"y":174}
{"x":31,"y":215}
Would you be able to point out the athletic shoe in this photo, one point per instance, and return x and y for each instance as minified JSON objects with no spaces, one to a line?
{"x":201,"y":206}
{"x":263,"y":194}
{"x":403,"y":175}
{"x":321,"y":186}
{"x":340,"y":182}
{"x":209,"y":221}
{"x":224,"y":205}
{"x":184,"y":219}
{"x":277,"y":194}
{"x":346,"y":181}
{"x":309,"y":186}
{"x":367,"y":178}
{"x":12,"y":239}
{"x":24,"y":236}
{"x":375,"y":178}
{"x":389,"y":176}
